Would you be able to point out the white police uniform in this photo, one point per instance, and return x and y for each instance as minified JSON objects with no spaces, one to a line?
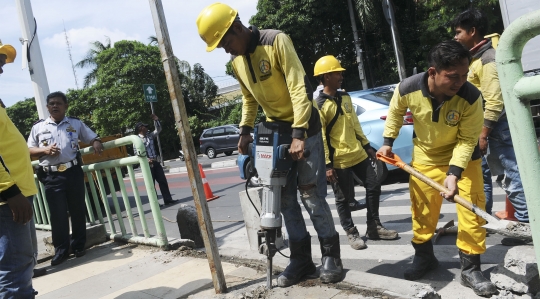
{"x":63,"y":179}
{"x":66,"y":135}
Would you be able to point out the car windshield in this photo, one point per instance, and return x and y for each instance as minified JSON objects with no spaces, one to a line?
{"x":381,"y":97}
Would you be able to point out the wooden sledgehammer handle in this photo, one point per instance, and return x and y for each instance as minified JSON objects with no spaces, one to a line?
{"x":396,"y":161}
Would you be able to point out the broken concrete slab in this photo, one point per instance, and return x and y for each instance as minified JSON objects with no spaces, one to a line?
{"x":519,"y":273}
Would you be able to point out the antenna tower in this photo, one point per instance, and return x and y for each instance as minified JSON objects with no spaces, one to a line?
{"x":70,"y":58}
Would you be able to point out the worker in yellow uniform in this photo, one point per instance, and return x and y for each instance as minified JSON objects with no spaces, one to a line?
{"x":347,"y":151}
{"x":271,"y":75}
{"x":470,"y":27}
{"x":18,"y":245}
{"x":448,"y":118}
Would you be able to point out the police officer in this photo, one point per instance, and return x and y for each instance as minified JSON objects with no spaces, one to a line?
{"x":55,"y":142}
{"x":141,"y":129}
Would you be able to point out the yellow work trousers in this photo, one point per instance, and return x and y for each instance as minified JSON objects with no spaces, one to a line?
{"x":426,"y":205}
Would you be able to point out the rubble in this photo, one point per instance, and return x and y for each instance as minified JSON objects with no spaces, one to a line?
{"x":426,"y":292}
{"x":519,"y":273}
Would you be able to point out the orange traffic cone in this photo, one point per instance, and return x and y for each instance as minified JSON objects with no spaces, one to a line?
{"x":508,"y":213}
{"x":207,"y":191}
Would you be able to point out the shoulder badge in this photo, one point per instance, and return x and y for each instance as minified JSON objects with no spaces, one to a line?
{"x":37,"y":122}
{"x":74,"y":117}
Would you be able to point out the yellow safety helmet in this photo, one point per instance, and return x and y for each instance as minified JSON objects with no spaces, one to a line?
{"x":213,"y":22}
{"x":327,"y":64}
{"x":9,"y":51}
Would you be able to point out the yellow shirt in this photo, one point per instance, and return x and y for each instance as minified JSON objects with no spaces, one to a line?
{"x":272,"y":76}
{"x":16,"y":174}
{"x":444,"y":134}
{"x":347,"y":139}
{"x":483,"y":75}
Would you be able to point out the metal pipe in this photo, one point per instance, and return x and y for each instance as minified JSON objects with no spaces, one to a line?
{"x":516,"y":100}
{"x":117,"y":209}
{"x":125,"y":196}
{"x":144,"y":225}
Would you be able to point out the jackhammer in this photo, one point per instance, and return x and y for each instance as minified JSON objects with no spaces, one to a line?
{"x":272,"y":161}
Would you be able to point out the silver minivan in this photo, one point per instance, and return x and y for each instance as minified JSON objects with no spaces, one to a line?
{"x":217,"y":140}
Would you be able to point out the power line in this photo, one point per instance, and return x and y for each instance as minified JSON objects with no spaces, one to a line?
{"x":70,"y":58}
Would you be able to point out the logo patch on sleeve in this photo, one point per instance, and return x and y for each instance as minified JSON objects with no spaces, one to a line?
{"x":452,"y":118}
{"x":265,"y":69}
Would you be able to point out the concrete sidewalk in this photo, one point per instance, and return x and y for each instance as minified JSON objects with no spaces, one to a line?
{"x":114,"y":270}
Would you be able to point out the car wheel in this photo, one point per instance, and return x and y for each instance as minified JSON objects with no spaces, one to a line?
{"x":211,"y":153}
{"x":228,"y":153}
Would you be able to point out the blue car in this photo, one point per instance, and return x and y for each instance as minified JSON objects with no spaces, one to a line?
{"x":372,"y":108}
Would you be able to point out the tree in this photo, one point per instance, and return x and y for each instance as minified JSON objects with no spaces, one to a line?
{"x":90,"y":60}
{"x":23,"y":114}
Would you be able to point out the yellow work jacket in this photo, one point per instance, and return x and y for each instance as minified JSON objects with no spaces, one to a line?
{"x":483,"y":75}
{"x":444,"y":134}
{"x":347,"y":141}
{"x":16,"y":175}
{"x":271,"y":75}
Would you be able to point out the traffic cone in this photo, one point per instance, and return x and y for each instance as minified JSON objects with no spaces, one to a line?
{"x":207,"y":191}
{"x":508,"y":213}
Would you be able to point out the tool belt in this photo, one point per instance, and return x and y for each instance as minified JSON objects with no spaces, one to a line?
{"x":60,"y":167}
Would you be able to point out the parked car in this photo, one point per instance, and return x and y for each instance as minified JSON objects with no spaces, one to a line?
{"x":371,"y":106}
{"x":217,"y":140}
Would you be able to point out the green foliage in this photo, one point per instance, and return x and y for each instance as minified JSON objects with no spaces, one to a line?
{"x":319,"y":28}
{"x":23,"y":114}
{"x":116,"y":102}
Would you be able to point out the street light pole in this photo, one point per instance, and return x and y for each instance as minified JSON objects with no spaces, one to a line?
{"x":33,"y":57}
{"x":186,"y":140}
{"x":361,"y":72}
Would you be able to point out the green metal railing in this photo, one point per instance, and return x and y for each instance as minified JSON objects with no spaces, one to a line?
{"x":518,"y":91}
{"x":99,"y":194}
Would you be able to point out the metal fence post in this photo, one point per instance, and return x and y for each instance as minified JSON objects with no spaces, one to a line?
{"x":517,"y":92}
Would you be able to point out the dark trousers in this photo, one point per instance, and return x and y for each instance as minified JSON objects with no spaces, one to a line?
{"x":65,"y":192}
{"x":344,"y":190}
{"x":159,"y":175}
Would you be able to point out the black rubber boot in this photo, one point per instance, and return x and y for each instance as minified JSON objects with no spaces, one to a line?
{"x":331,"y":266}
{"x":471,"y":275}
{"x":424,"y":261}
{"x":300,"y":263}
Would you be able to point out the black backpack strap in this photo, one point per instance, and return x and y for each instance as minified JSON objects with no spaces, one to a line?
{"x":320,"y":101}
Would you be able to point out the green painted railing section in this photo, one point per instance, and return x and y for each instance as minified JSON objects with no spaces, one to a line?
{"x":97,"y":193}
{"x":518,"y":91}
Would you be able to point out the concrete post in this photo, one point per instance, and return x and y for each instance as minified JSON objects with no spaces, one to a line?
{"x":517,"y":92}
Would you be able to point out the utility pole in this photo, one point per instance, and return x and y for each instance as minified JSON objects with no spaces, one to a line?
{"x":186,"y":140}
{"x":361,"y":72}
{"x":32,"y":56}
{"x":388,"y":9}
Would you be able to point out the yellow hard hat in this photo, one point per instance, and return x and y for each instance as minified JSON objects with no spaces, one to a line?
{"x":9,"y":51}
{"x":327,"y":64}
{"x":213,"y":22}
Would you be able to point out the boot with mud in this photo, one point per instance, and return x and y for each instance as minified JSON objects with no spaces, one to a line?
{"x":471,"y":275}
{"x":331,"y":266}
{"x":354,"y":239}
{"x":423,"y":262}
{"x":300,"y":264}
{"x":376,"y":231}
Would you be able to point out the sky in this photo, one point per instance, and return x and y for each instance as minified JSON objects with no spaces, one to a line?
{"x":88,"y":21}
